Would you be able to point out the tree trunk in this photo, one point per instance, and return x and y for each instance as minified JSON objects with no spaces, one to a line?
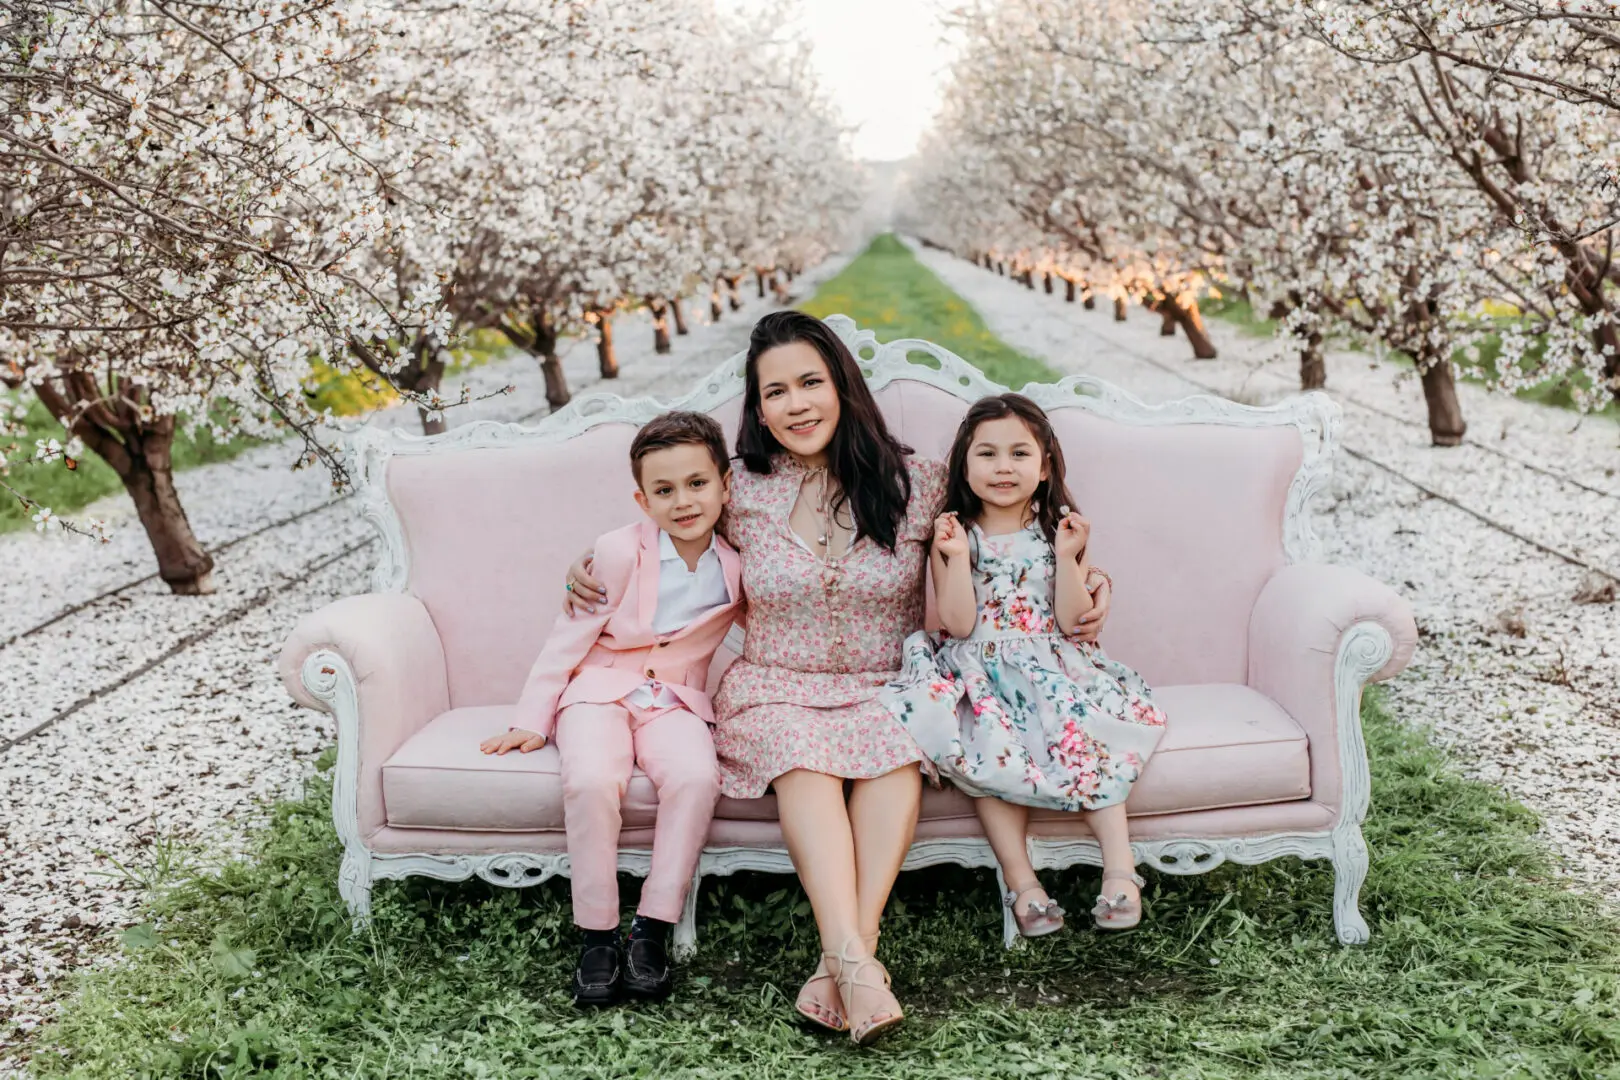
{"x":545,"y":346}
{"x":733,"y":300}
{"x":1048,"y":283}
{"x":425,"y":374}
{"x":789,"y":271}
{"x":1090,"y":302}
{"x":1446,"y":425}
{"x":1068,"y":290}
{"x":659,"y":310}
{"x":1192,"y":324}
{"x":1312,"y":364}
{"x":715,"y":310}
{"x":1167,"y":316}
{"x":182,"y":563}
{"x":606,"y":359}
{"x":141,"y":453}
{"x":421,"y":374}
{"x":680,"y":316}
{"x":1001,"y":269}
{"x":759,"y":281}
{"x":1029,"y":280}
{"x":1119,"y":309}
{"x":542,"y":345}
{"x":989,"y":263}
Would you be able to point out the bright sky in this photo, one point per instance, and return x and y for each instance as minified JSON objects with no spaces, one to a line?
{"x":882,"y":61}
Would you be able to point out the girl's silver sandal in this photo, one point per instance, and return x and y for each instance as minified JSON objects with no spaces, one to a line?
{"x":1119,"y":912}
{"x":1036,"y":919}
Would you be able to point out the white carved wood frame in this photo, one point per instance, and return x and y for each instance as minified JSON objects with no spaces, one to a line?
{"x":1364,"y":648}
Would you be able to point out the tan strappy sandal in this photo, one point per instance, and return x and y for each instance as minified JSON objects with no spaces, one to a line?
{"x":811,"y":1009}
{"x":1117,"y":912}
{"x":880,"y":1020}
{"x":1035,"y":920}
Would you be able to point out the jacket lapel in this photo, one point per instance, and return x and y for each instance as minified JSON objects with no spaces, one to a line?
{"x":647,"y":607}
{"x":731,"y":566}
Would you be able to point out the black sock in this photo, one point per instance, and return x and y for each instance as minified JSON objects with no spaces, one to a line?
{"x":644,"y":929}
{"x":601,"y":937}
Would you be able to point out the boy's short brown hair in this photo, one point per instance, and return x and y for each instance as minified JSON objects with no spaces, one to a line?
{"x":679,"y":428}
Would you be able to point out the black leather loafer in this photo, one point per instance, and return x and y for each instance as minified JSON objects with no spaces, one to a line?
{"x":647,"y":971}
{"x":597,"y":977}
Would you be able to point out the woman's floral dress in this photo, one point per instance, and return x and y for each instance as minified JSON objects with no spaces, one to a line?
{"x":1039,"y":720}
{"x":822,"y":641}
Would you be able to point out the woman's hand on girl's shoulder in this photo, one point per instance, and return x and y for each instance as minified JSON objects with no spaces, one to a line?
{"x":1073,"y":533}
{"x":950,"y":537}
{"x":1090,"y":626}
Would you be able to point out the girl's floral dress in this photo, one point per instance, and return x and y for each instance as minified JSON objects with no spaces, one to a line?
{"x":1040,"y":720}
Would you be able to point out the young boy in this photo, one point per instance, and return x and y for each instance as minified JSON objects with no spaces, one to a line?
{"x":624,"y":687}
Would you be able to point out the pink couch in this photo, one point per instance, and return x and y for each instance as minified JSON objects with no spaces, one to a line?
{"x":1200,"y":513}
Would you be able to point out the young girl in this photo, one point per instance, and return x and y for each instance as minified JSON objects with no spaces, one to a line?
{"x":1040,"y":721}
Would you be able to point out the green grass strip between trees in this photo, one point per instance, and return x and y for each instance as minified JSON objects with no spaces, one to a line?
{"x":888,"y":291}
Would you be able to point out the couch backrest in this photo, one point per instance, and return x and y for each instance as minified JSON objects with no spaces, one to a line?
{"x":1187,"y":517}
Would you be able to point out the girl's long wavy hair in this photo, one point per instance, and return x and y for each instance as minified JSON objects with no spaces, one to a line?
{"x":1053,"y":493}
{"x":868,"y":462}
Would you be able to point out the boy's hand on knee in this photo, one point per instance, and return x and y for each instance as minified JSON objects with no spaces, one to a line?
{"x":516,"y":739}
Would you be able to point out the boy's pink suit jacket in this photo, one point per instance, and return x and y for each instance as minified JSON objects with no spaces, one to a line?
{"x":601,"y":658}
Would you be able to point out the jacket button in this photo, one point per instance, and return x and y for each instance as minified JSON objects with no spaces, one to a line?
{"x":661,"y":644}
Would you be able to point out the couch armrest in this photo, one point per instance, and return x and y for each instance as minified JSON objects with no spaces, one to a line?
{"x":1316,"y":636}
{"x":390,"y":664}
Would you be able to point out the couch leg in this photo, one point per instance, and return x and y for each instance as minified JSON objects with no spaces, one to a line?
{"x":354,"y":884}
{"x":1349,"y":871}
{"x":1009,"y":925}
{"x":686,"y":929}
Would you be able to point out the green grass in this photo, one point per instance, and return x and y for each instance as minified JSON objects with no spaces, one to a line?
{"x":1480,"y":965}
{"x":1236,"y":311}
{"x":886,"y":290}
{"x":67,"y":492}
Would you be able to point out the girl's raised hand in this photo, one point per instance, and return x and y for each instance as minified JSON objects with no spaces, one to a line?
{"x":950,"y":538}
{"x":1073,"y":532}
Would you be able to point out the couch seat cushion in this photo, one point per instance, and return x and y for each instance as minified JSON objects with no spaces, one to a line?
{"x":1224,"y":745}
{"x":440,"y":780}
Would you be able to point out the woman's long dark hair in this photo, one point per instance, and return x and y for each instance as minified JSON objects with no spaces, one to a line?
{"x":868,"y":463}
{"x":1049,"y":498}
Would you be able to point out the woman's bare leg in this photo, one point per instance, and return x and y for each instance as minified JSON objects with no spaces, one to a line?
{"x":1006,"y":826}
{"x":883,"y":819}
{"x":815,"y":825}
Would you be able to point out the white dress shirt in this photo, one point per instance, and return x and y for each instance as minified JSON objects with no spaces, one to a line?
{"x":684,"y":596}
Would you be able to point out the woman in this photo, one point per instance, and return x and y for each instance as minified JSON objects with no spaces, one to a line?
{"x":832,"y":516}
